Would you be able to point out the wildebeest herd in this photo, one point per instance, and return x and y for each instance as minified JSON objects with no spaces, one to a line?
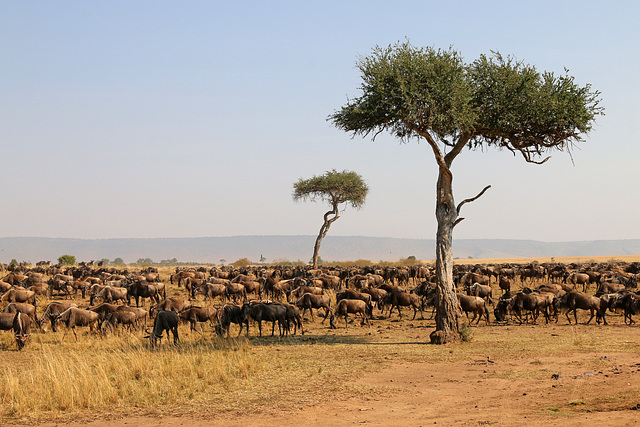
{"x":103,"y":299}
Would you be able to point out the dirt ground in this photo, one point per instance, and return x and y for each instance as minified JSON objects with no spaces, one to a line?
{"x":575,"y":388}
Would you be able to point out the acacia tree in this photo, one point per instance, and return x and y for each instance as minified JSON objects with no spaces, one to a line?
{"x":334,"y":188}
{"x":432,"y":95}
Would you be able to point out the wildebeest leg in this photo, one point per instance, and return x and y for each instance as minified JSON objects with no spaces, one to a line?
{"x":326,"y":313}
{"x":311,"y":311}
{"x":174,"y":331}
{"x":591,"y":318}
{"x":74,"y":333}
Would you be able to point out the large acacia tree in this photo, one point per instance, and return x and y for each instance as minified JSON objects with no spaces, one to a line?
{"x":335,"y":188}
{"x":433,"y":96}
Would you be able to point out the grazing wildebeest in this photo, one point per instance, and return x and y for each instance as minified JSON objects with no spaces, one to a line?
{"x":346,"y":306}
{"x":310,"y":301}
{"x":51,"y":312}
{"x":141,"y":314}
{"x":74,"y":316}
{"x":476,"y":305}
{"x":228,"y":314}
{"x":198,"y":314}
{"x":164,"y":321}
{"x":609,"y":288}
{"x":21,"y":325}
{"x":22,"y":307}
{"x":272,"y":312}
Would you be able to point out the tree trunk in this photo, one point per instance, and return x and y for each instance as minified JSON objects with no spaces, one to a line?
{"x":323,"y":232}
{"x":447,"y":307}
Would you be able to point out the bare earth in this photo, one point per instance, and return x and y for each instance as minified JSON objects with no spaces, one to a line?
{"x":475,"y":392}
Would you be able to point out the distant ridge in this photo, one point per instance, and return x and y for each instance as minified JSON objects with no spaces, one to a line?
{"x":294,"y":248}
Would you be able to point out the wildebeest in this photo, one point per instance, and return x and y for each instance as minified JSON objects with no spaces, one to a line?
{"x":399,"y":299}
{"x":198,"y":314}
{"x":272,"y":312}
{"x":18,"y":295}
{"x":228,"y":314}
{"x":482,"y":291}
{"x":121,"y":317}
{"x":51,"y":312}
{"x":574,"y":300}
{"x":22,"y":307}
{"x":21,"y":325}
{"x":310,"y":301}
{"x":578,"y":279}
{"x":144,"y":290}
{"x":110,"y":294}
{"x":74,"y":316}
{"x":475,"y":305}
{"x":533,"y":302}
{"x":235,"y":290}
{"x":346,"y":306}
{"x":164,"y":321}
{"x":169,"y":304}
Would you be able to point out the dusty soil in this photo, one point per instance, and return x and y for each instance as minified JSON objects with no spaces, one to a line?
{"x":574,"y":388}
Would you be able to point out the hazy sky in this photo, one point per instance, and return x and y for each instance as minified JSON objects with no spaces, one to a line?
{"x":195,"y":118}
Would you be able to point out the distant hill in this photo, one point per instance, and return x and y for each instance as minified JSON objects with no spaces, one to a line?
{"x":294,"y":248}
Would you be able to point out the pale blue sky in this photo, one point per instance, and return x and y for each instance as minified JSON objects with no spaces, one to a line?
{"x":195,"y":118}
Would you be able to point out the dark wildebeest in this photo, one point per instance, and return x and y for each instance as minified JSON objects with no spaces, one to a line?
{"x":574,"y":300}
{"x":272,"y":312}
{"x":143,"y":290}
{"x":21,"y":325}
{"x":310,"y":301}
{"x":228,"y":314}
{"x":74,"y":316}
{"x":476,"y":305}
{"x":293,"y":316}
{"x":346,"y":306}
{"x":198,"y":314}
{"x":609,"y":288}
{"x":7,"y":321}
{"x":353,"y":294}
{"x":164,"y":321}
{"x":469,"y":279}
{"x":51,"y":312}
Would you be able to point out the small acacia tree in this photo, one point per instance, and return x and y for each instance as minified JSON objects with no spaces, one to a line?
{"x":433,"y":96}
{"x":67,"y":260}
{"x":334,"y":188}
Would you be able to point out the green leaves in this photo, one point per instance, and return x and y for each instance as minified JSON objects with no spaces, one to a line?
{"x":333,"y":187}
{"x":415,"y":92}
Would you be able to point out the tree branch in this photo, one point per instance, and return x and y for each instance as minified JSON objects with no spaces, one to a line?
{"x":470,"y":200}
{"x":458,"y":221}
{"x":456,"y":149}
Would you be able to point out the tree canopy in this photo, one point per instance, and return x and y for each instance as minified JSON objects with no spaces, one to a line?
{"x":332,"y":187}
{"x":497,"y":101}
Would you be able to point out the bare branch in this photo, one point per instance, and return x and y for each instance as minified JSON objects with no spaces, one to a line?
{"x":471,"y":200}
{"x":458,"y":221}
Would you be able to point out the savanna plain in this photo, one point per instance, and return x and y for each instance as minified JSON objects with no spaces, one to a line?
{"x":383,"y":374}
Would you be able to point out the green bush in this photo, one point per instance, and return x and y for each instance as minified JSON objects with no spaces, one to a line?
{"x":67,"y":260}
